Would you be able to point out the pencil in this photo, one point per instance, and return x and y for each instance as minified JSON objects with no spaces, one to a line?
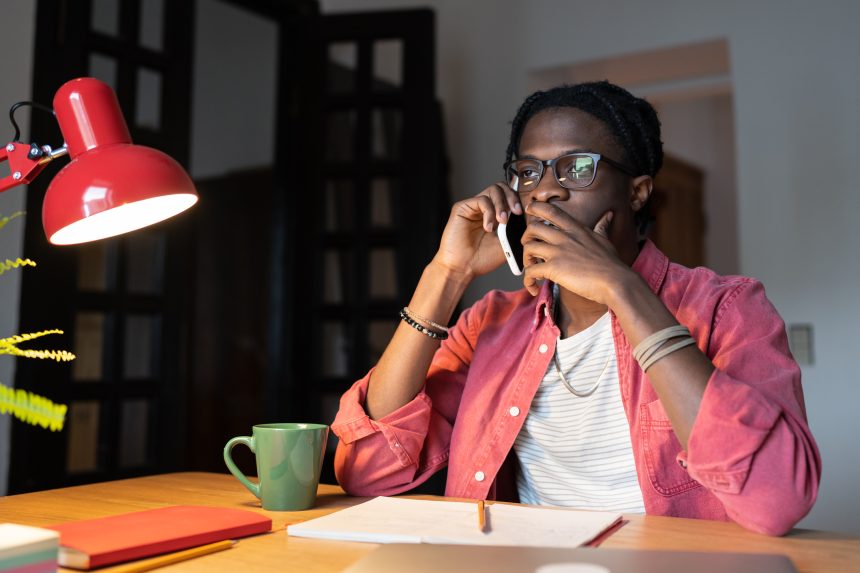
{"x":482,"y":518}
{"x":170,"y":558}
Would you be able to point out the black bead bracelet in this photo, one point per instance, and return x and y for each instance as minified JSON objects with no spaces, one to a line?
{"x":421,"y":328}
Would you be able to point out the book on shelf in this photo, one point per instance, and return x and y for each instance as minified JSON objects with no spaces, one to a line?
{"x":90,"y":543}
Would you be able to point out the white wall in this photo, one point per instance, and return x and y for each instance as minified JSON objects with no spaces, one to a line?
{"x":17,"y":29}
{"x":797,"y":113}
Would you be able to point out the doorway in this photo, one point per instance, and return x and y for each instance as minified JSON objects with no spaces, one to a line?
{"x":690,"y":87}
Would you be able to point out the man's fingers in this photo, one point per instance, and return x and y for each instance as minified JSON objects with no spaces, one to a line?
{"x":533,"y":276}
{"x":489,"y":219}
{"x":538,"y":251}
{"x":479,"y":207}
{"x":554,"y":215}
{"x":505,"y":201}
{"x":602,"y":226}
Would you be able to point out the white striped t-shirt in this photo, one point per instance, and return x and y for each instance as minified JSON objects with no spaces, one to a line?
{"x":576,"y":452}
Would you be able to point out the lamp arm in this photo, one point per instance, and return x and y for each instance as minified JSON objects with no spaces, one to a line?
{"x":26,"y":161}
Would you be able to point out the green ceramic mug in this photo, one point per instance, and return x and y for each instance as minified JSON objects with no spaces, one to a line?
{"x":289,"y":458}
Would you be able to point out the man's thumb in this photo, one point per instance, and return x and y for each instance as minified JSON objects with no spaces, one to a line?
{"x":602,"y":226}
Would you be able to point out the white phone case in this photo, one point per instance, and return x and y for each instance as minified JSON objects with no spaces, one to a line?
{"x":506,"y":248}
{"x":501,"y":231}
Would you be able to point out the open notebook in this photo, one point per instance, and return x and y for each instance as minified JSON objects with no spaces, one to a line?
{"x":399,"y":520}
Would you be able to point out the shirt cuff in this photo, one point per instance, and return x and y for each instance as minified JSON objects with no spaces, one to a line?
{"x":404,"y":429}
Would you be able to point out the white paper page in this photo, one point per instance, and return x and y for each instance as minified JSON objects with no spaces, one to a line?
{"x":398,"y":520}
{"x":385,"y":520}
{"x":529,"y":527}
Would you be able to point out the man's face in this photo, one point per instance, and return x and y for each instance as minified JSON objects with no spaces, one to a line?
{"x":558,"y":131}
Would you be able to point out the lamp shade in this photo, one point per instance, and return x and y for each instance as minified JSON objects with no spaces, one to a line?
{"x":110,"y":186}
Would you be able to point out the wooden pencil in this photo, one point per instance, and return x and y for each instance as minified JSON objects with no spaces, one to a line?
{"x":482,"y":518}
{"x":169,"y":558}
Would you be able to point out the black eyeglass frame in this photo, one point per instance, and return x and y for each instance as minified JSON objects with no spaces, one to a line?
{"x":596,"y":157}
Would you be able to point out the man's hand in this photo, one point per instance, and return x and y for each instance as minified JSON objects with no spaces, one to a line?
{"x":469,"y":245}
{"x":568,"y":253}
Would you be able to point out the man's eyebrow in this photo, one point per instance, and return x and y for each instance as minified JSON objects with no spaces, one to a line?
{"x":567,"y":152}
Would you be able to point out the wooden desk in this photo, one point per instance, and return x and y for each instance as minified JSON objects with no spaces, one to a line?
{"x":811,"y":551}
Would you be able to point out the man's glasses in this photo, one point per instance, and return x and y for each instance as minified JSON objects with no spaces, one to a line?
{"x":572,"y":171}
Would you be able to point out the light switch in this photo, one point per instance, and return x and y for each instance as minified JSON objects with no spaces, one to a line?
{"x":800,"y":340}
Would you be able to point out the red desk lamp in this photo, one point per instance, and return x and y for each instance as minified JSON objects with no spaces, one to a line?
{"x":110,"y":186}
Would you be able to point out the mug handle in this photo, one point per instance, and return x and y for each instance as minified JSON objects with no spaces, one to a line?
{"x":248,"y":441}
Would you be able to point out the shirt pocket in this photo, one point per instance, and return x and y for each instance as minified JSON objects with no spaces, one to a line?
{"x":661,"y":448}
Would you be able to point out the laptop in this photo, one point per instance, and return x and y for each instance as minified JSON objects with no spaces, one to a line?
{"x":427,"y":558}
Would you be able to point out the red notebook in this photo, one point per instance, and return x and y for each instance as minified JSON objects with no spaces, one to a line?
{"x":107,"y":540}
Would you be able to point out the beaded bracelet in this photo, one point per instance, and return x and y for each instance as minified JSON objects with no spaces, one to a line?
{"x":421,"y":328}
{"x":419,"y":318}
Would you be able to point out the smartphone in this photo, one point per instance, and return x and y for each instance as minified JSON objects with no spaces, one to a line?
{"x":510,"y":236}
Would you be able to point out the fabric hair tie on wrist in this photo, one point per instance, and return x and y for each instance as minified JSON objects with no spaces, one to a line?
{"x":667,"y":351}
{"x":649,"y":350}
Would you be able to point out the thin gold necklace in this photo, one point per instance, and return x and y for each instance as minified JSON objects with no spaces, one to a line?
{"x":557,"y":362}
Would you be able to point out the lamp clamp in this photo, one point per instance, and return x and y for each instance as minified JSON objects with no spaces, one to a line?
{"x":26,"y":161}
{"x":22,"y":168}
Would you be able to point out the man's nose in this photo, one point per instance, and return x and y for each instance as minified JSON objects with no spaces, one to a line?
{"x":548,"y":188}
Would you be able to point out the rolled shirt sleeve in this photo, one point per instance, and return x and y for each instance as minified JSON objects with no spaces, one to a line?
{"x":404,"y":448}
{"x":750,"y":444}
{"x":379,"y":457}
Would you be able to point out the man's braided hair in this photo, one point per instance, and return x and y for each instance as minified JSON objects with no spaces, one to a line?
{"x":631,"y":120}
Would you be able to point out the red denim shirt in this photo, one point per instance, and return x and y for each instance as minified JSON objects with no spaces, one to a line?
{"x":751,"y":457}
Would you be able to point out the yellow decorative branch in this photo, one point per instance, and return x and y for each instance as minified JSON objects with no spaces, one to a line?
{"x":18,"y":338}
{"x":32,"y":409}
{"x":15,"y":215}
{"x":19,"y":262}
{"x":26,"y":406}
{"x":58,"y":355}
{"x":10,"y":346}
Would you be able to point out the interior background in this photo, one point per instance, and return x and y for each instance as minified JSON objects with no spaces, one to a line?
{"x":775,"y":133}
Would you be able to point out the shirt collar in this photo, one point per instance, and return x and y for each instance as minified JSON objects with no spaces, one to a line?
{"x":543,"y":306}
{"x":652,"y":265}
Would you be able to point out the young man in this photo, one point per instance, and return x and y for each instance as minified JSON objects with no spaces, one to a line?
{"x":615,"y":379}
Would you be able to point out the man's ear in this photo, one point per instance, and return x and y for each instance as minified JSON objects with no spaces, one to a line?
{"x":640,"y":191}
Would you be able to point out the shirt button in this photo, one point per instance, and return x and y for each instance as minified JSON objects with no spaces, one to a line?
{"x":682,"y":463}
{"x":543,"y":348}
{"x":479,"y":476}
{"x":514,"y":411}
